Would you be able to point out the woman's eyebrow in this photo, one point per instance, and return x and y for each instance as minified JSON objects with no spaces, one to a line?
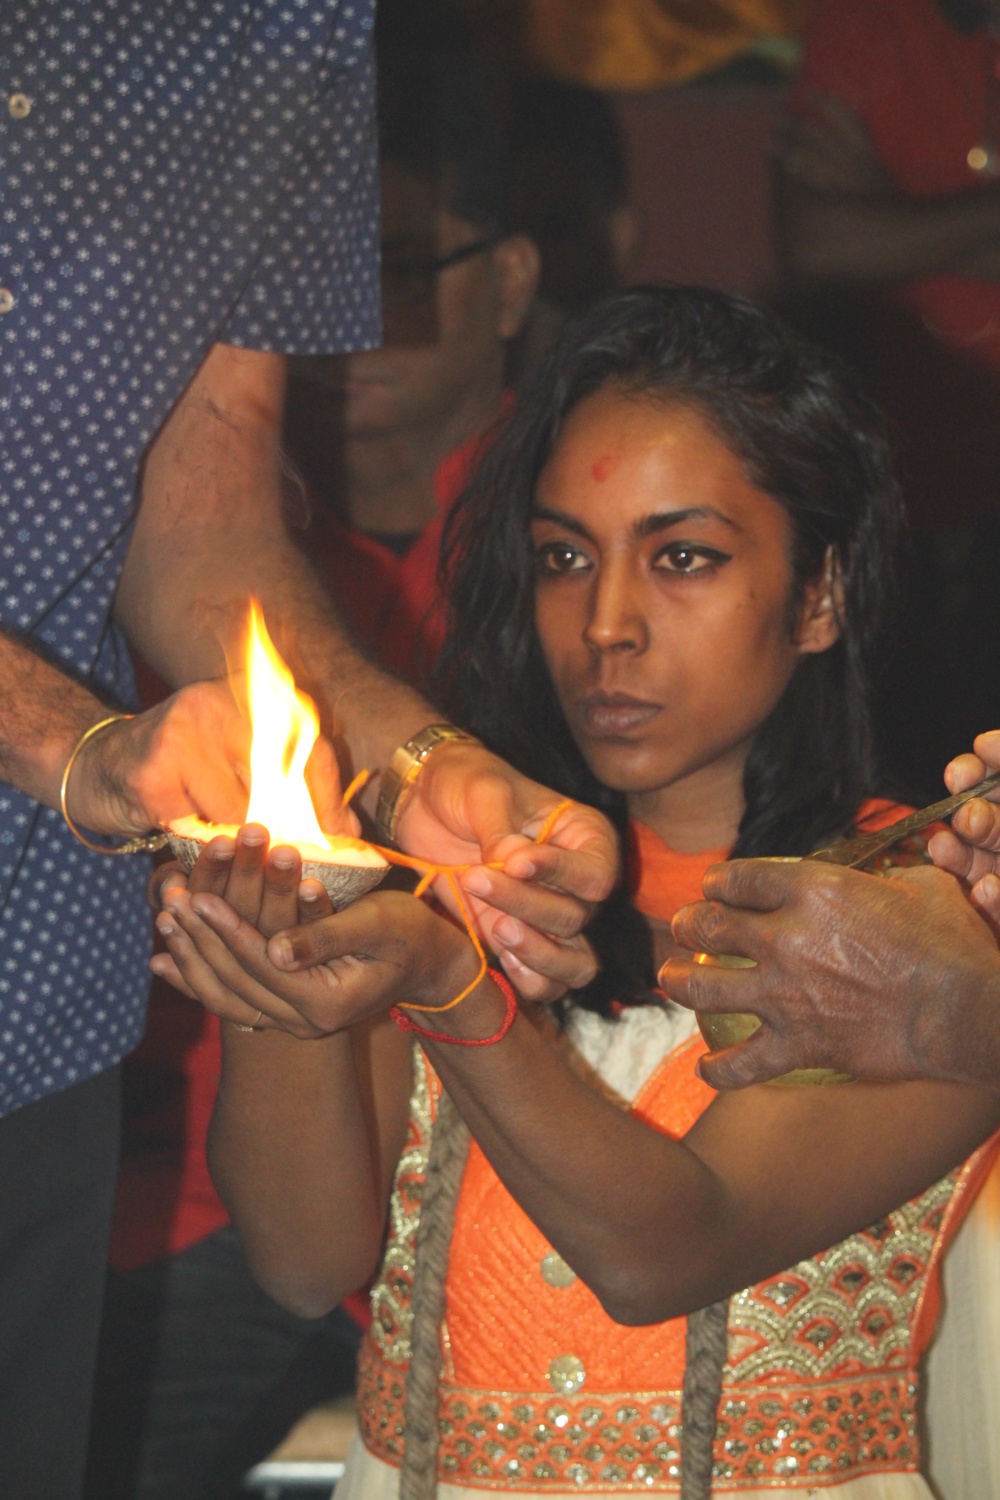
{"x":663,"y":520}
{"x":560,"y":518}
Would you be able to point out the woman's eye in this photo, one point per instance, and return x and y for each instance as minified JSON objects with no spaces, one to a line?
{"x":685,"y":557}
{"x":560,"y":557}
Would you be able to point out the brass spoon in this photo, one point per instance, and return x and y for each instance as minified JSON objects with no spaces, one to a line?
{"x":857,"y":851}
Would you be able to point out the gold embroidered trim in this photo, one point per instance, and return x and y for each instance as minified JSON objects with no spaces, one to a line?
{"x":392,"y":1293}
{"x":850,"y":1308}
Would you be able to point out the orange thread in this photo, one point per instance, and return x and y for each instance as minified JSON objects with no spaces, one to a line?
{"x":359,"y":781}
{"x":430,"y":872}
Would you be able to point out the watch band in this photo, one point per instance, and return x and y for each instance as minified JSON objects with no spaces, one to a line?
{"x":400,"y":776}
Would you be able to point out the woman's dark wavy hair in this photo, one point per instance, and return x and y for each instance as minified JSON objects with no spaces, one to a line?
{"x":807,"y":438}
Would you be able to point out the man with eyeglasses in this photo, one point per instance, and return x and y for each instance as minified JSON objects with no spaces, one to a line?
{"x":457,"y":283}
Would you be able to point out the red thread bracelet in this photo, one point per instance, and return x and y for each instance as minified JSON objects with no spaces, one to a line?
{"x":503,"y":985}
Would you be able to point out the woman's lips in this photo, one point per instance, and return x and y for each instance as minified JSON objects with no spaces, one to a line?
{"x":610,"y":715}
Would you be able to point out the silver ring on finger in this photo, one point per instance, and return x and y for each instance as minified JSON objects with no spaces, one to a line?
{"x":238,"y":1025}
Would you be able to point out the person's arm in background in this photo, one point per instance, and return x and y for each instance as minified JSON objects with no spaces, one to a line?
{"x":840,"y":216}
{"x":880,"y":977}
{"x":210,"y":533}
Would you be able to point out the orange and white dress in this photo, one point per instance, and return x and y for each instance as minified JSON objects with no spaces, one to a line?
{"x":543,"y":1395}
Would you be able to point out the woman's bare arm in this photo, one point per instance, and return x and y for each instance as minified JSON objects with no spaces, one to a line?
{"x":655,"y":1227}
{"x":303,"y":1145}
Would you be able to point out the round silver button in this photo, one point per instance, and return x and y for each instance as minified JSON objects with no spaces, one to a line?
{"x":6,"y":299}
{"x":19,"y":106}
{"x":566,"y":1374}
{"x":555,"y":1271}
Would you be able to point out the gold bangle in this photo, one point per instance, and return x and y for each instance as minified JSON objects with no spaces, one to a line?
{"x":143,"y":843}
{"x":399,"y":778}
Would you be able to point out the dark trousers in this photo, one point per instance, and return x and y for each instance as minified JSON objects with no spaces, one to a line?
{"x":58,"y":1161}
{"x":200,"y":1375}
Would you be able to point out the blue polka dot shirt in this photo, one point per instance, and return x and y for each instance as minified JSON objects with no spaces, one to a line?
{"x":170,"y":176}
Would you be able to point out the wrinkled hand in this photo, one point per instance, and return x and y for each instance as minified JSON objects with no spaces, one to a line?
{"x":472,"y":808}
{"x":188,"y":754}
{"x":829,"y":151}
{"x":971,"y":848}
{"x":331,"y":970}
{"x":881,"y":977}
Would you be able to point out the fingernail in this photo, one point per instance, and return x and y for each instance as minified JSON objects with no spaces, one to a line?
{"x":508,"y":931}
{"x":222,"y":848}
{"x":513,"y":964}
{"x":168,"y":904}
{"x":521,"y":868}
{"x":283,"y":861}
{"x":164,"y":928}
{"x":282,"y":952}
{"x":158,"y":965}
{"x":477,"y":882}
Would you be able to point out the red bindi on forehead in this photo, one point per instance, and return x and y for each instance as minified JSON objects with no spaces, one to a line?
{"x":602,"y":468}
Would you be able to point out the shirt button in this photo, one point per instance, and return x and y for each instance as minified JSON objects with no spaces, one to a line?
{"x":555,"y":1271}
{"x":566,"y":1374}
{"x":19,"y":106}
{"x":6,"y":299}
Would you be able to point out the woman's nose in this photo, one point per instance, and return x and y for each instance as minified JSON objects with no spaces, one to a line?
{"x":617,"y":621}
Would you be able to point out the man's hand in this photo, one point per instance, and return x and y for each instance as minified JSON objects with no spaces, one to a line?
{"x":472,"y":808}
{"x":881,"y":977}
{"x":970,"y":849}
{"x":189,"y":754}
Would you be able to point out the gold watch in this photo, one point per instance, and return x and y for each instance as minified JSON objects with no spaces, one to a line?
{"x":400,"y":776}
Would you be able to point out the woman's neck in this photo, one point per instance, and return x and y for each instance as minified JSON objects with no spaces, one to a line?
{"x":699,"y":811}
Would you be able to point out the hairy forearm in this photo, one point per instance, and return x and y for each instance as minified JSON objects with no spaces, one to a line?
{"x":854,"y":238}
{"x":211,"y":533}
{"x":290,"y":1153}
{"x":43,"y":712}
{"x":956,"y":1034}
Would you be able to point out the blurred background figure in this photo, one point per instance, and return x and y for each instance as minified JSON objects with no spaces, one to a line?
{"x":888,"y":215}
{"x":384,"y":443}
{"x":569,"y":191}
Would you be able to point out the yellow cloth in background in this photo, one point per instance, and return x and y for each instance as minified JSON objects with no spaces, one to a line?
{"x":643,"y":44}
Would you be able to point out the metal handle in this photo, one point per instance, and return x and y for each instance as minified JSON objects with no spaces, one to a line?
{"x":854,"y":852}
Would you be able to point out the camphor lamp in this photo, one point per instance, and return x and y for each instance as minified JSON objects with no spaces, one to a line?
{"x":285,"y":727}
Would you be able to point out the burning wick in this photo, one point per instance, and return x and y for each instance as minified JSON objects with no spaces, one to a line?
{"x":285,"y":727}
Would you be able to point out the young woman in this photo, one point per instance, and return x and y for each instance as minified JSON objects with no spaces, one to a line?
{"x":667,"y":585}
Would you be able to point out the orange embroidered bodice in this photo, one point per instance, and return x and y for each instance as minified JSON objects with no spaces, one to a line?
{"x":542,"y":1391}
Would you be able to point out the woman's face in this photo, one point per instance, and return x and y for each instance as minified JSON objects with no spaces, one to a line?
{"x":662,"y":600}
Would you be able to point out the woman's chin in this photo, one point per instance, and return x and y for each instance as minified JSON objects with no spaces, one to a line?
{"x":625,"y":769}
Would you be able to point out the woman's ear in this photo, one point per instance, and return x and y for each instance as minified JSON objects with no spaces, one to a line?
{"x":518,"y":266}
{"x":822,"y":611}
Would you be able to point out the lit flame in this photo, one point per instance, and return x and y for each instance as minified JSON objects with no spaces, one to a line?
{"x":285,"y":728}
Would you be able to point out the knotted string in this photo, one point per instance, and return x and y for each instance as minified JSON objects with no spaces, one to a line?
{"x":430,"y":871}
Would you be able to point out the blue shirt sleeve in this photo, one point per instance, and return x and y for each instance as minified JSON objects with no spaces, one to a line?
{"x":315,"y":286}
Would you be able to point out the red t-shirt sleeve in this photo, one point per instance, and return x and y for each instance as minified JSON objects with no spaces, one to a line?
{"x":849,"y":53}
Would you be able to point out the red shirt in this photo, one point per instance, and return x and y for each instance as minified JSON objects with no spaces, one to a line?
{"x":929,"y":350}
{"x":924,"y":92}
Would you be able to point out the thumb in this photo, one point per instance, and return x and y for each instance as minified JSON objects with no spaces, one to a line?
{"x":757,"y":1060}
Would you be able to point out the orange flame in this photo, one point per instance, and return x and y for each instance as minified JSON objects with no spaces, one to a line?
{"x":285,"y":728}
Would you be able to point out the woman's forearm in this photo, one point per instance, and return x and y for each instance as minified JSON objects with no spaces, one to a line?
{"x":291,"y":1154}
{"x":656,"y":1227}
{"x":618,"y":1200}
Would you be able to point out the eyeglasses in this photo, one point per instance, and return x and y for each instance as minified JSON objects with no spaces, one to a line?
{"x":409,"y":289}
